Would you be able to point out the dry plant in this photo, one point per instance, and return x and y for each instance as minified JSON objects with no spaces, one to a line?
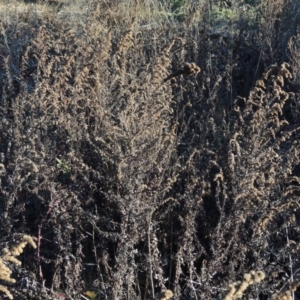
{"x":9,"y":256}
{"x":238,"y":288}
{"x":165,"y":295}
{"x":140,"y":173}
{"x":287,"y":293}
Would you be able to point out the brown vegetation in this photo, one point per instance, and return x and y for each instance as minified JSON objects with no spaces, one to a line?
{"x":151,"y":156}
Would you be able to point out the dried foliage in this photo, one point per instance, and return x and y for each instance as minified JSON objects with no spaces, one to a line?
{"x":238,"y":288}
{"x":152,"y":156}
{"x":9,"y":256}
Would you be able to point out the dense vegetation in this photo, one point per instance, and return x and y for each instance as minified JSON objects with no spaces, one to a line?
{"x":148,"y":146}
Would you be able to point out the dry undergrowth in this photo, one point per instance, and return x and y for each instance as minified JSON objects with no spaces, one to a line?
{"x":151,"y":158}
